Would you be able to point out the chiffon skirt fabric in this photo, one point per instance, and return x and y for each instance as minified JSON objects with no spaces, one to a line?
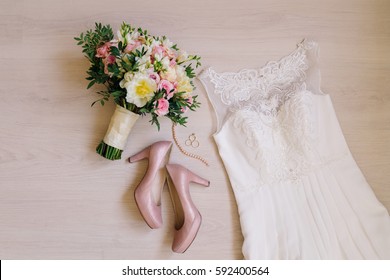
{"x":331,"y":214}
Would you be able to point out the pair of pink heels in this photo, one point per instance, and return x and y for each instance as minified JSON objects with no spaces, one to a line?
{"x":148,"y":194}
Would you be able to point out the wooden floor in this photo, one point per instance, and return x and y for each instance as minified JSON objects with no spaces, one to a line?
{"x":60,"y":200}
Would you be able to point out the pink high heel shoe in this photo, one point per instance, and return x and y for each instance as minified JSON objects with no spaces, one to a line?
{"x":187,"y":216}
{"x":148,"y":192}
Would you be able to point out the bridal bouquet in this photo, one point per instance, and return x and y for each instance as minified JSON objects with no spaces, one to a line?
{"x":142,"y":74}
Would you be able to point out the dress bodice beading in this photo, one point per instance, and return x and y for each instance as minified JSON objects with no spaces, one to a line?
{"x":273,"y":114}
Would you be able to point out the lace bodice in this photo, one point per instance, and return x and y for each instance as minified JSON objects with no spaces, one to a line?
{"x":272,"y":111}
{"x":266,"y":89}
{"x":263,"y":90}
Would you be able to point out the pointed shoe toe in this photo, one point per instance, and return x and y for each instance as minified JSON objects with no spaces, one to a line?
{"x":186,"y":235}
{"x":150,"y":212}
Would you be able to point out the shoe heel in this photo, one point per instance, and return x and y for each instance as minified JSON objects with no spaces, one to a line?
{"x":141,"y":155}
{"x":198,"y":180}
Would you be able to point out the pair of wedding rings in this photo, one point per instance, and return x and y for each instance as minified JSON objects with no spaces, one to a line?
{"x":192,"y":141}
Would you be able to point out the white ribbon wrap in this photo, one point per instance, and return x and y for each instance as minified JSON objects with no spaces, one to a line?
{"x":122,"y":121}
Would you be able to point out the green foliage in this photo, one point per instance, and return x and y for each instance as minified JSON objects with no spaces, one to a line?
{"x":105,"y":96}
{"x":92,"y":39}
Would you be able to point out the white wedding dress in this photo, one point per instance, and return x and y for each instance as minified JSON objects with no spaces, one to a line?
{"x":300,"y":194}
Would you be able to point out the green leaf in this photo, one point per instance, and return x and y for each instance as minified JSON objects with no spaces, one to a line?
{"x":118,"y":93}
{"x":91,"y":83}
{"x":190,"y":72}
{"x":175,"y":47}
{"x":115,"y":51}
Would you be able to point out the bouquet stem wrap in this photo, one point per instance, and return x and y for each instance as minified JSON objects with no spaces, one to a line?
{"x":122,"y":121}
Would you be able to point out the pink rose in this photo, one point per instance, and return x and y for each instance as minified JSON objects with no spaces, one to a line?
{"x":104,"y":50}
{"x":168,"y":86}
{"x":110,"y":59}
{"x":162,"y":107}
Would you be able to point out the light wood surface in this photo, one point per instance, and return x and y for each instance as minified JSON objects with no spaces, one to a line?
{"x":60,"y":200}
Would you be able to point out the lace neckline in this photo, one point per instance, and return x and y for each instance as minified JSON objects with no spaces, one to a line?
{"x":303,"y":46}
{"x":266,"y":89}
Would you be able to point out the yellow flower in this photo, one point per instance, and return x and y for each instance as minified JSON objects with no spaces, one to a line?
{"x":140,"y":89}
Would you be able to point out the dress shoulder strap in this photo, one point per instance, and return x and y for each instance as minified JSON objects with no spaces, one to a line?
{"x":209,"y":79}
{"x":313,"y":73}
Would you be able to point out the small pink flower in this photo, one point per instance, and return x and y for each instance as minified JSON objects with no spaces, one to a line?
{"x":172,"y":63}
{"x":171,"y":54}
{"x":168,"y":86}
{"x":131,"y":46}
{"x":159,"y":50}
{"x":190,"y":100}
{"x":162,"y":107}
{"x":104,"y":50}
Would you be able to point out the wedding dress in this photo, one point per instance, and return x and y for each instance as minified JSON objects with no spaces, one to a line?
{"x":299,"y":192}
